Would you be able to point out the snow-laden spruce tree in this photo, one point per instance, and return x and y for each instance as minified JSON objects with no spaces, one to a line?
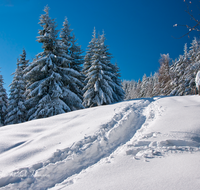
{"x":76,"y":64}
{"x":129,"y":88}
{"x":76,"y":55}
{"x":138,"y":89}
{"x":65,"y":40}
{"x":103,"y":86}
{"x":89,"y":54}
{"x":150,"y":85}
{"x":69,"y":49}
{"x":3,"y":102}
{"x":118,"y":92}
{"x":144,"y":85}
{"x":16,"y":109}
{"x":50,"y":75}
{"x":99,"y":88}
{"x":164,"y":75}
{"x":156,"y":86}
{"x":194,"y":67}
{"x":181,"y":75}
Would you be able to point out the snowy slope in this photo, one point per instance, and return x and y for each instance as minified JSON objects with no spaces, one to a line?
{"x":138,"y":144}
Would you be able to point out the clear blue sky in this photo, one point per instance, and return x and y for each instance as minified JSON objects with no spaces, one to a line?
{"x":137,"y":32}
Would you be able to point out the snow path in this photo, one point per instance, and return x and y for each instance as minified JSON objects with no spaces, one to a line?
{"x":81,"y":154}
{"x":152,"y":140}
{"x":171,"y":131}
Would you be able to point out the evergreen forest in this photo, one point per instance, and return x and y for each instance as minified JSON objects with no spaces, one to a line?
{"x":61,"y":79}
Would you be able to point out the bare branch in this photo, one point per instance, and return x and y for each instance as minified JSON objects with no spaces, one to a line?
{"x":190,"y":28}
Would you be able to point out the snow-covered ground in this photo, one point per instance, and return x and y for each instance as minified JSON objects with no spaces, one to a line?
{"x":139,"y":144}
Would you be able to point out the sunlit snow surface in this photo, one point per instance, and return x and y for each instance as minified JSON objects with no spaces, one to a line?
{"x":138,"y":144}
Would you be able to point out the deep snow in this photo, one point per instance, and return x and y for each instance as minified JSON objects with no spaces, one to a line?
{"x":139,"y":144}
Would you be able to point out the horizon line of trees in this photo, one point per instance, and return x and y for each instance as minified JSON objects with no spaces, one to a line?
{"x":174,"y":77}
{"x":60,"y":79}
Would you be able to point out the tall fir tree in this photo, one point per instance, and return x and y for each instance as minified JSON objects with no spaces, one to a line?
{"x":50,"y":75}
{"x":89,"y":54}
{"x":76,"y":55}
{"x":72,"y":51}
{"x":118,"y":92}
{"x":99,"y":88}
{"x":3,"y":102}
{"x":65,"y":40}
{"x":16,"y":109}
{"x":76,"y":64}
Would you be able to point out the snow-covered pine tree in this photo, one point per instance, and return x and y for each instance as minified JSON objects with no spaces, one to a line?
{"x":181,"y":75}
{"x":150,"y":85}
{"x":24,"y":64}
{"x":3,"y":102}
{"x":76,"y":55}
{"x":99,"y":88}
{"x":125,"y":85}
{"x":65,"y":40}
{"x":16,"y":109}
{"x":23,"y":61}
{"x":89,"y":54}
{"x":118,"y":92}
{"x":164,"y":75}
{"x":194,"y":52}
{"x":156,"y":86}
{"x":138,"y":89}
{"x":129,"y":88}
{"x":194,"y":67}
{"x":186,"y":74}
{"x":72,"y":51}
{"x":76,"y":64}
{"x":144,"y":86}
{"x":49,"y":76}
{"x":176,"y":74}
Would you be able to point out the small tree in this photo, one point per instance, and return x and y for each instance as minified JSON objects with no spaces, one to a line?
{"x":144,"y":86}
{"x":16,"y":109}
{"x":119,"y":93}
{"x":3,"y":102}
{"x":164,"y":74}
{"x":150,"y":85}
{"x":156,"y":86}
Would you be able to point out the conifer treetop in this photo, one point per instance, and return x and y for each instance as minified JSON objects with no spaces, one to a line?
{"x":48,"y":34}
